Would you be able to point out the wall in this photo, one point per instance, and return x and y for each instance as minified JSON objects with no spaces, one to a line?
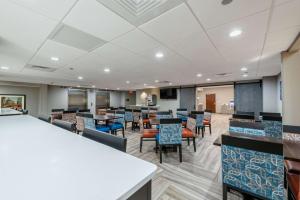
{"x":91,"y":100}
{"x":224,"y":94}
{"x":57,"y":98}
{"x":117,"y":99}
{"x":279,"y":96}
{"x":32,"y":93}
{"x":164,"y":104}
{"x":270,"y":94}
{"x":131,"y":97}
{"x":291,"y":83}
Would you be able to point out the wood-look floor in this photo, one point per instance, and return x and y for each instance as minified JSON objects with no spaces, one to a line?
{"x":197,"y":177}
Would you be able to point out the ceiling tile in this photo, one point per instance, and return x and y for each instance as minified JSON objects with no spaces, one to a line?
{"x":212,"y":13}
{"x":285,"y":16}
{"x":28,"y":34}
{"x":65,"y":53}
{"x":92,"y":17}
{"x":55,"y":9}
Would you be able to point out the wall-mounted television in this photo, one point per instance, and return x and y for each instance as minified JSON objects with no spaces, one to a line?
{"x":168,"y":93}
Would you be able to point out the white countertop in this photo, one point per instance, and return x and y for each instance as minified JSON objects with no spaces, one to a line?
{"x":39,"y":161}
{"x":9,"y":111}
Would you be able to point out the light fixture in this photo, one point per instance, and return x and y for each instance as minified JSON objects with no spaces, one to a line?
{"x":80,"y":77}
{"x":107,"y":70}
{"x":106,"y":88}
{"x":93,"y":86}
{"x":244,"y":69}
{"x":145,"y":84}
{"x":159,"y":55}
{"x":235,"y":33}
{"x":127,"y":82}
{"x":156,"y":81}
{"x":4,"y":67}
{"x":118,"y":88}
{"x":55,"y":58}
{"x":245,"y":75}
{"x":170,"y":83}
{"x":78,"y":85}
{"x":199,"y":75}
{"x":208,"y":79}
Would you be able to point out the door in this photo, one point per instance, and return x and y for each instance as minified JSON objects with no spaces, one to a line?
{"x":211,"y":102}
{"x":188,"y":98}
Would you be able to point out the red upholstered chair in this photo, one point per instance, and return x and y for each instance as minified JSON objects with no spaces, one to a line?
{"x":207,"y":120}
{"x":189,"y":132}
{"x":293,"y":179}
{"x":146,"y":134}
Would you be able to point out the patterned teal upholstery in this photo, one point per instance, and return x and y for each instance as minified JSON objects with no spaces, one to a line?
{"x":128,"y":116}
{"x":249,"y":131}
{"x":170,"y":134}
{"x":89,"y":123}
{"x":163,"y":116}
{"x":120,"y":120}
{"x":182,"y":115}
{"x":273,"y":128}
{"x":199,"y":120}
{"x":256,"y":172}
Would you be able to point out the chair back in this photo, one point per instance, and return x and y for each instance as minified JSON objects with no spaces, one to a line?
{"x":163,"y":115}
{"x":84,"y":110}
{"x":88,"y":120}
{"x":121,"y":108}
{"x":121,"y":117}
{"x":270,"y":114}
{"x":65,"y":125}
{"x":145,"y":112}
{"x":136,"y":115}
{"x":182,"y":113}
{"x":243,"y":118}
{"x":272,"y":126}
{"x":249,"y":128}
{"x":207,"y":115}
{"x":191,"y":124}
{"x":45,"y":118}
{"x":57,"y":110}
{"x":291,"y":133}
{"x":199,"y":116}
{"x":105,"y":138}
{"x":69,"y":116}
{"x":128,"y":115}
{"x":245,"y":113}
{"x":111,"y":112}
{"x":170,"y":131}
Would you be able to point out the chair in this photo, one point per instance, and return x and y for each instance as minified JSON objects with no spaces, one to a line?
{"x":189,"y":132}
{"x":270,"y":114}
{"x":128,"y":118}
{"x":207,"y":120}
{"x":272,"y":126}
{"x":79,"y":122}
{"x":182,"y":113}
{"x":69,"y":116}
{"x":65,"y":125}
{"x":105,"y":138}
{"x":145,"y":117}
{"x":199,"y":116}
{"x":56,"y":114}
{"x":136,"y":119}
{"x":121,"y":108}
{"x":45,"y":118}
{"x":293,"y":179}
{"x":243,"y":118}
{"x":170,"y":133}
{"x":249,"y":128}
{"x":89,"y":123}
{"x":84,"y":110}
{"x":118,"y":124}
{"x":163,"y":115}
{"x":245,"y":113}
{"x":146,"y":134}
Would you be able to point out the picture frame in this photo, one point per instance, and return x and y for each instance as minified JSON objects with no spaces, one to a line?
{"x":13,"y":101}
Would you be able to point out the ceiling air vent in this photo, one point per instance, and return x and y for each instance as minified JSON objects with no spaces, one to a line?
{"x":40,"y":68}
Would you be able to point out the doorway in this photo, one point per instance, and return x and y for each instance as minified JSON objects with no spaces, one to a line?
{"x":211,"y":102}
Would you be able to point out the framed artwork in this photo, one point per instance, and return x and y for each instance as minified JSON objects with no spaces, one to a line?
{"x":14,"y":101}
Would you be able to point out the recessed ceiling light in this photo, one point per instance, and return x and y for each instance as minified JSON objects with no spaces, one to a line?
{"x":106,"y":88}
{"x":4,"y":67}
{"x":55,"y":58}
{"x":93,"y":86}
{"x":78,"y":85}
{"x":118,"y":88}
{"x":199,"y":75}
{"x":208,"y":79}
{"x":245,"y":75}
{"x":170,"y":83}
{"x":244,"y":69}
{"x":127,"y":82}
{"x":156,"y":81}
{"x":235,"y":33}
{"x":80,"y":77}
{"x":159,"y":55}
{"x":106,"y":70}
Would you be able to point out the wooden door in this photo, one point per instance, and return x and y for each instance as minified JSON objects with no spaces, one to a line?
{"x":211,"y":102}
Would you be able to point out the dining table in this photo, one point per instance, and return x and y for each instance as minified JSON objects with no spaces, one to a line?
{"x":105,"y":118}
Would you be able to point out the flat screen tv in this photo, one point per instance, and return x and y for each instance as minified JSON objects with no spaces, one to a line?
{"x":168,"y":93}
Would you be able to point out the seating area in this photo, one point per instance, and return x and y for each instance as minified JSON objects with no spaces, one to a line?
{"x":149,"y":100}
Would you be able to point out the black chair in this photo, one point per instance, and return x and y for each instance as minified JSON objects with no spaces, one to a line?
{"x":45,"y":118}
{"x":270,"y":114}
{"x":65,"y":125}
{"x":105,"y":138}
{"x":84,"y":110}
{"x":245,"y":113}
{"x":243,"y":117}
{"x":24,"y":111}
{"x":57,"y":110}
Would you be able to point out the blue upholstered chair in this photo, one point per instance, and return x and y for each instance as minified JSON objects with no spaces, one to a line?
{"x":199,"y":116}
{"x":89,"y":123}
{"x":136,"y":118}
{"x":170,"y":133}
{"x":118,"y":123}
{"x":128,"y":117}
{"x":182,"y":113}
{"x":249,"y":128}
{"x":253,"y":168}
{"x":272,"y":126}
{"x":163,"y":115}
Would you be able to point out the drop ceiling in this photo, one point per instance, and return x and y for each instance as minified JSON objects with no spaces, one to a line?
{"x":88,"y":36}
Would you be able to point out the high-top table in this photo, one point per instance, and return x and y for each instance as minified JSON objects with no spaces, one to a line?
{"x":42,"y":161}
{"x":9,"y":111}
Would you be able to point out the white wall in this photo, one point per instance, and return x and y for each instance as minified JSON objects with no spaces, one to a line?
{"x":224,"y":94}
{"x":270,"y":94}
{"x":57,"y":98}
{"x":279,"y":99}
{"x":116,"y":99}
{"x":91,"y":100}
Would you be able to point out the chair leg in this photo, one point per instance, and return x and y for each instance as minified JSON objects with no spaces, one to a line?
{"x":202,"y":131}
{"x":141,"y":144}
{"x":160,"y":153}
{"x":123,"y":132}
{"x":194,"y":142}
{"x":180,"y":153}
{"x":156,"y":146}
{"x":132,"y":126}
{"x":224,"y":192}
{"x":210,"y":129}
{"x":188,"y":141}
{"x":125,"y":125}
